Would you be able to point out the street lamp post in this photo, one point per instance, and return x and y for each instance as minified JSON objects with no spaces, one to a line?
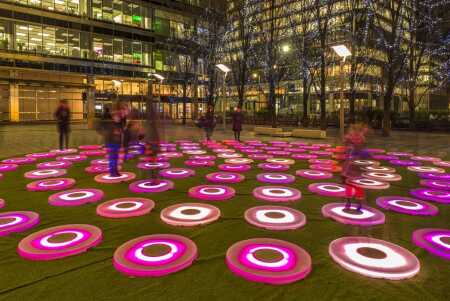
{"x":343,"y":52}
{"x":225,"y":69}
{"x":161,"y":78}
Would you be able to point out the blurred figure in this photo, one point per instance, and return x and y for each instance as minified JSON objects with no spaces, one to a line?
{"x":152,"y":137}
{"x":355,"y":142}
{"x":238,"y":120}
{"x":131,"y":132}
{"x":62,"y":116}
{"x":208,"y":122}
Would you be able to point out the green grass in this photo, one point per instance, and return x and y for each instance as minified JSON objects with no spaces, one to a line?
{"x":91,"y":275}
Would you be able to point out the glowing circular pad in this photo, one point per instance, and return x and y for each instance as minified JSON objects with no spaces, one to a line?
{"x":406,"y":205}
{"x":277,"y":194}
{"x":427,"y":194}
{"x":51,"y":184}
{"x":275,"y":178}
{"x":190,"y":214}
{"x":176,"y":173}
{"x":157,"y":185}
{"x":211,"y":192}
{"x":225,"y":177}
{"x":435,"y":241}
{"x":125,"y":207}
{"x":275,"y":217}
{"x":45,"y":173}
{"x":106,"y":178}
{"x":366,"y":216}
{"x":17,"y":221}
{"x":75,"y":197}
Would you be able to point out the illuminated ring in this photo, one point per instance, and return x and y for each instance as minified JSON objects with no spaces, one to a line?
{"x":108,"y":179}
{"x":314,"y":174}
{"x":170,"y":155}
{"x":425,"y":159}
{"x":72,"y":158}
{"x":332,"y":189}
{"x":277,"y":194}
{"x":366,"y":216}
{"x":176,"y":173}
{"x":41,"y":155}
{"x":406,"y":205}
{"x":366,"y":183}
{"x":75,"y":197}
{"x":297,"y":150}
{"x":225,"y":177}
{"x":153,"y":165}
{"x":8,"y":167}
{"x":435,"y":176}
{"x":194,"y":152}
{"x":442,"y":163}
{"x":303,"y":156}
{"x":199,"y":163}
{"x":423,"y":169}
{"x":386,"y":260}
{"x":238,"y":161}
{"x":260,"y":157}
{"x":64,"y":151}
{"x":404,"y":163}
{"x":274,"y":166}
{"x":19,"y":160}
{"x":156,"y":185}
{"x":439,"y":196}
{"x":322,"y":161}
{"x":98,"y":153}
{"x":400,"y":154}
{"x":379,"y":169}
{"x":279,"y":153}
{"x":102,"y":162}
{"x":321,"y":153}
{"x":223,"y":150}
{"x":211,"y":192}
{"x":323,"y":167}
{"x":384,"y":157}
{"x":387,"y":177}
{"x":153,"y":159}
{"x":435,"y":241}
{"x":54,"y":164}
{"x":53,"y":243}
{"x":229,"y":155}
{"x":281,"y":161}
{"x":310,"y":147}
{"x":51,"y":184}
{"x":203,"y":157}
{"x":190,"y":214}
{"x":2,"y":203}
{"x":139,"y":258}
{"x":275,"y":218}
{"x":125,"y":207}
{"x":375,"y":150}
{"x":99,"y":169}
{"x":90,"y":147}
{"x":45,"y":173}
{"x":365,"y":163}
{"x":436,"y":184}
{"x":234,"y":167}
{"x":275,"y":178}
{"x":252,"y":151}
{"x":17,"y":221}
{"x":268,"y":260}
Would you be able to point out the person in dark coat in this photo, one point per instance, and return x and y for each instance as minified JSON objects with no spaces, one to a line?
{"x":208,"y":122}
{"x":238,"y":119}
{"x":62,"y":116}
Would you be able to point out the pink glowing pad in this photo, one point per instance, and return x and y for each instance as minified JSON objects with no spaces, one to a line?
{"x":365,"y":163}
{"x":125,"y":207}
{"x":273,"y":166}
{"x":41,"y":155}
{"x":54,"y":164}
{"x":170,"y":155}
{"x":190,"y":214}
{"x":199,"y":163}
{"x":425,"y":159}
{"x":275,"y":178}
{"x":64,"y":151}
{"x":277,"y":194}
{"x":99,"y":169}
{"x":96,"y":153}
{"x":234,"y":167}
{"x":260,"y":157}
{"x":75,"y":197}
{"x":156,"y":185}
{"x":303,"y":156}
{"x":383,"y":169}
{"x":423,"y":169}
{"x":400,"y":154}
{"x":59,"y":242}
{"x":436,"y":184}
{"x":19,"y":160}
{"x":177,"y":173}
{"x":374,"y":258}
{"x":406,"y":205}
{"x":203,"y":157}
{"x":279,"y":153}
{"x":90,"y":147}
{"x":2,"y":203}
{"x":281,"y":161}
{"x":321,"y":153}
{"x":45,"y":173}
{"x":404,"y":162}
{"x":17,"y":221}
{"x":324,"y":167}
{"x":365,"y":183}
{"x":51,"y":184}
{"x":314,"y":174}
{"x":366,"y":216}
{"x":332,"y":190}
{"x":384,"y":157}
{"x":153,"y":165}
{"x":103,"y":162}
{"x":211,"y":192}
{"x":72,"y":158}
{"x":435,"y":241}
{"x":194,"y":152}
{"x":442,"y":163}
{"x":269,"y":261}
{"x":427,"y":194}
{"x":8,"y":167}
{"x":229,"y":155}
{"x":323,"y":161}
{"x":155,"y":255}
{"x":238,"y":161}
{"x":382,"y":176}
{"x":225,"y":177}
{"x":435,"y":176}
{"x":108,"y":179}
{"x":275,"y":218}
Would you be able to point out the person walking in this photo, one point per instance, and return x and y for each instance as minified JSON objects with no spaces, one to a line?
{"x":208,"y":122}
{"x":62,"y":116}
{"x":238,"y":119}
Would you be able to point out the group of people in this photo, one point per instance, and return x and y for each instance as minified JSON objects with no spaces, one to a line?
{"x":208,"y":122}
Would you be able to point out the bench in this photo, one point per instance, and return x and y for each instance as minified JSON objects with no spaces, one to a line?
{"x":302,"y":133}
{"x":282,"y":134}
{"x":261,"y":130}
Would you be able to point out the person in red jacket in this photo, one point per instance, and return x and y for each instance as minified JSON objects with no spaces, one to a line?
{"x":238,"y":120}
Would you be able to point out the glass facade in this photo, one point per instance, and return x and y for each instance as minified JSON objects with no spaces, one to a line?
{"x":73,"y":7}
{"x":136,"y":14}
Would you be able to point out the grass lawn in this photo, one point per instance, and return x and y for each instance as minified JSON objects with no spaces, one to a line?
{"x":91,"y":275}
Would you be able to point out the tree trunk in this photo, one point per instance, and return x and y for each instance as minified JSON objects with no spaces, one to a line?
{"x":305,"y":100}
{"x":323,"y":99}
{"x":412,"y":107}
{"x":272,"y":101}
{"x":352,"y":105}
{"x":184,"y":102}
{"x":387,"y":110}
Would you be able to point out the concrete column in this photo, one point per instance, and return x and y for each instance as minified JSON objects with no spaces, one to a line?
{"x":90,"y":100}
{"x":13,"y":97}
